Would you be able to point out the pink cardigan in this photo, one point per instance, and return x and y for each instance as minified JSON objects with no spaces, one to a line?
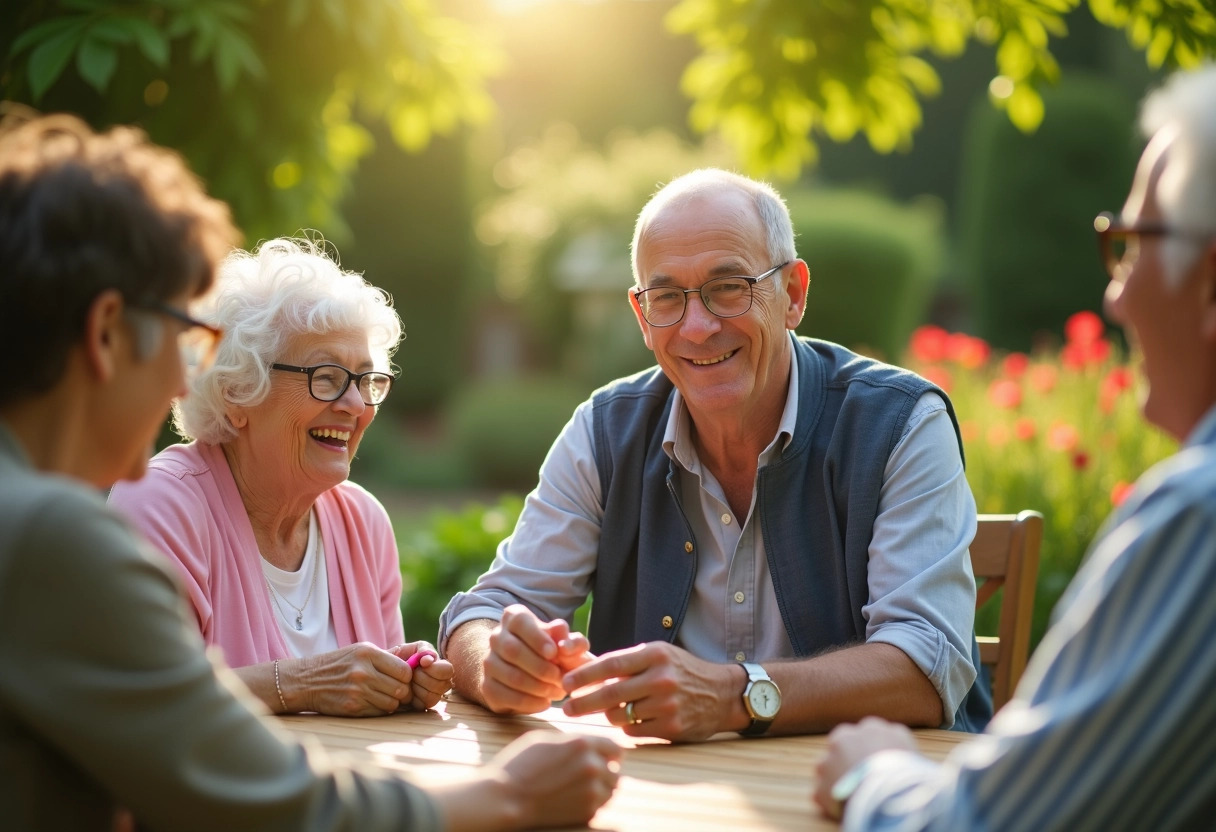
{"x":188,"y":506}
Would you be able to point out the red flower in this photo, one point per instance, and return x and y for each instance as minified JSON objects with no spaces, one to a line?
{"x":968,"y":351}
{"x":928,"y":344}
{"x":1078,"y":355}
{"x":1120,"y":492}
{"x":1015,"y":364}
{"x":1114,"y":384}
{"x":1062,"y":436}
{"x":968,"y":430}
{"x":939,"y":376}
{"x":1005,"y":393}
{"x":1084,"y":328}
{"x":1025,"y":429}
{"x":1080,"y":460}
{"x":1043,"y":377}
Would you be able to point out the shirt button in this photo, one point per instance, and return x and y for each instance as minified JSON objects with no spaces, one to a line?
{"x":688,"y":546}
{"x":740,"y":656}
{"x":667,"y":622}
{"x":739,"y":597}
{"x":726,"y":519}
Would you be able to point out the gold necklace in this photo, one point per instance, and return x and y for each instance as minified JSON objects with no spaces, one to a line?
{"x":274,"y":596}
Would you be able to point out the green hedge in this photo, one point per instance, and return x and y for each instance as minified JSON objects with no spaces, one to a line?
{"x":873,"y":264}
{"x":503,"y":428}
{"x":1027,"y":206}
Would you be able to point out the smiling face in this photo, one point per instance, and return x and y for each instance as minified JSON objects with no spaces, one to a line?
{"x":292,"y":445}
{"x":725,"y":368}
{"x":1170,"y":324}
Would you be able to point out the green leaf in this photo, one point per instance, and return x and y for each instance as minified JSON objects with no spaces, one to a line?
{"x":1025,"y":108}
{"x":49,"y":59}
{"x":1159,"y":48}
{"x":96,"y":62}
{"x":152,"y":43}
{"x":112,"y":30}
{"x":44,"y":31}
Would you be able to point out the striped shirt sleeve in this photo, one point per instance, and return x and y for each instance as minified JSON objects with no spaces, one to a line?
{"x":1114,"y":723}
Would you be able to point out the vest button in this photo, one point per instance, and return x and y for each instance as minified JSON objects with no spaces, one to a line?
{"x":688,"y":546}
{"x":667,"y":622}
{"x":740,"y":656}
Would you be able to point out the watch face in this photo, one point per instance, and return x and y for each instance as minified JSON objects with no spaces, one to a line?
{"x":765,"y":699}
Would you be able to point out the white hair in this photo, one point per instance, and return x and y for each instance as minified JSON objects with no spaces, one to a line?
{"x":771,"y":208}
{"x":261,"y":301}
{"x":1186,"y":190}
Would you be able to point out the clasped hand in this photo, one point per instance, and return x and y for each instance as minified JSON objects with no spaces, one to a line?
{"x":675,"y":695}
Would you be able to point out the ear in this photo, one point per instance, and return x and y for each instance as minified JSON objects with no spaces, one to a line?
{"x":795,"y":288}
{"x":105,"y":332}
{"x":235,"y":415}
{"x":637,"y":313}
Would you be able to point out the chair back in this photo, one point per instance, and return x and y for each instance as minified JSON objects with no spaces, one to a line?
{"x":1005,"y":554}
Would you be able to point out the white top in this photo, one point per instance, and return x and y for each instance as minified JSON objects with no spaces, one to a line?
{"x":289,"y":595}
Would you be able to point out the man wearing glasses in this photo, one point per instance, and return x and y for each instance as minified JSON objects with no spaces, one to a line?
{"x":1114,"y":723}
{"x":774,"y":529}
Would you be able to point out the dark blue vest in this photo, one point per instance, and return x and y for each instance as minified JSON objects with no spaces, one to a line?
{"x":816,"y":505}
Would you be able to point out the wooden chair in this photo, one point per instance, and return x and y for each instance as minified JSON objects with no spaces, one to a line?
{"x":1005,"y":553}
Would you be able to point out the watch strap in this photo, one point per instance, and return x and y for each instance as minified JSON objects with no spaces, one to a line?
{"x":755,"y":673}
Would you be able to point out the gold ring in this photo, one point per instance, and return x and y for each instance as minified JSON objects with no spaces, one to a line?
{"x":630,"y":715}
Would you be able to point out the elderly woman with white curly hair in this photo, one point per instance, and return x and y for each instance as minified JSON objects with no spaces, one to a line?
{"x":292,"y":569}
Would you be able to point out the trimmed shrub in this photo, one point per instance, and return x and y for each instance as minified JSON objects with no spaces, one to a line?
{"x":1026,"y":206}
{"x":873,"y":265}
{"x":503,"y":428}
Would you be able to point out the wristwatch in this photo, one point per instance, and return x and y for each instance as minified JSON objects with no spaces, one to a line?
{"x":761,"y":699}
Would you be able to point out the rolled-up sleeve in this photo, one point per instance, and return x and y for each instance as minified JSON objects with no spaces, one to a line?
{"x":548,"y":561}
{"x":921,"y":587}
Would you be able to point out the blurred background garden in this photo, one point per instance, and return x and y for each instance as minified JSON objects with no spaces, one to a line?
{"x":483,"y":161}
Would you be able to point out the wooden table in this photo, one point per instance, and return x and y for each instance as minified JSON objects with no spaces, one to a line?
{"x":727,"y":783}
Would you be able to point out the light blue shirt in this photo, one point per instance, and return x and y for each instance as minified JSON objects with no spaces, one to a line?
{"x":1113,"y":726}
{"x":922,"y":590}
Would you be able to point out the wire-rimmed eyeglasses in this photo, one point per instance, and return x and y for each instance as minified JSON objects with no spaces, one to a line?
{"x":197,"y":342}
{"x":328,"y":382}
{"x":726,"y":297}
{"x":1119,"y":244}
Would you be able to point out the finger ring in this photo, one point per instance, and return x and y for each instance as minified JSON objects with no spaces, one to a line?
{"x":630,"y":715}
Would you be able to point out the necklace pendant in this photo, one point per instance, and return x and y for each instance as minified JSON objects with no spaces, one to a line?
{"x":299,"y":621}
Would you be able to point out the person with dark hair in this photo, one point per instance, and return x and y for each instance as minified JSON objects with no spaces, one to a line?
{"x":1113,"y":725}
{"x":107,"y":698}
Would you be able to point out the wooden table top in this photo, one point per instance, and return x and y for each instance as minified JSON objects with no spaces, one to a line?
{"x":727,"y":783}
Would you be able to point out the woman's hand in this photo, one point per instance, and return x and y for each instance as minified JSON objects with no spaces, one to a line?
{"x":432,"y":675}
{"x":359,"y":680}
{"x":542,"y":779}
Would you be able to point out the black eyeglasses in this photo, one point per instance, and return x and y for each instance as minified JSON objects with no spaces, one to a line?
{"x":1119,"y":244}
{"x":726,"y":297}
{"x":328,"y":382}
{"x":197,"y":343}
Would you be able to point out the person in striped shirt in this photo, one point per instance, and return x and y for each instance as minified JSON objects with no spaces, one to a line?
{"x":1114,"y":723}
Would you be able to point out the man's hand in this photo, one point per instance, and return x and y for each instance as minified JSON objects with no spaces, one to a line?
{"x":674,"y":694}
{"x":522,"y":670}
{"x":848,"y":745}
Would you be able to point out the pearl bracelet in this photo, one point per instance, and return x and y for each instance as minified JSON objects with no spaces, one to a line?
{"x":277,"y":688}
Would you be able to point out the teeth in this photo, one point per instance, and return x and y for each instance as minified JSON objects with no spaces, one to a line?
{"x":703,"y":362}
{"x":330,"y":433}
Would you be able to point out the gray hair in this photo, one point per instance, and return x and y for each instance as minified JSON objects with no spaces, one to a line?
{"x":263,"y":299}
{"x":1186,"y":190}
{"x":771,"y":208}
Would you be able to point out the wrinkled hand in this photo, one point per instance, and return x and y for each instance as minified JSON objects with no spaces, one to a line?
{"x":676,"y":695}
{"x":359,"y":680}
{"x":432,"y":676}
{"x":522,"y":671}
{"x":557,"y":779}
{"x":848,"y":745}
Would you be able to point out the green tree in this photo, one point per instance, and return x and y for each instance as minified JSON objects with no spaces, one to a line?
{"x":262,"y":97}
{"x":772,"y":74}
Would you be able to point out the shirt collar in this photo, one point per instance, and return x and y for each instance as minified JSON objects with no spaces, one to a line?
{"x":677,"y":436}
